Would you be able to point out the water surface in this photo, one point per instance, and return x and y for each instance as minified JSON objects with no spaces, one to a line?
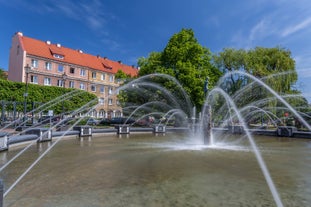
{"x":156,"y":171}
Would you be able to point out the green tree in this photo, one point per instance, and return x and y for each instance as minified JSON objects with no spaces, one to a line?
{"x":269,"y":61}
{"x":14,"y":92}
{"x":3,"y":74}
{"x":120,"y":75}
{"x":186,"y":60}
{"x":260,"y":62}
{"x":274,"y":66}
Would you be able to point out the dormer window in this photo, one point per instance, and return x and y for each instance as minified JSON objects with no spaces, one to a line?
{"x":107,"y":66}
{"x":58,"y":56}
{"x":57,"y":53}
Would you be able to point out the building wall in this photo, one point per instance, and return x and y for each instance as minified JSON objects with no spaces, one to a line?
{"x":16,"y":61}
{"x":98,"y":79}
{"x":43,"y":69}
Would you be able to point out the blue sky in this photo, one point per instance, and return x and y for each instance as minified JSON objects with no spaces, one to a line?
{"x":126,"y":30}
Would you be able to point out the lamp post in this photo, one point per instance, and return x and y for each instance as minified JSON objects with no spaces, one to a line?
{"x":27,"y":69}
{"x":64,"y":77}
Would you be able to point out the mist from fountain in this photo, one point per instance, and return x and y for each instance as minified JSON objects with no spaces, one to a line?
{"x":257,"y":153}
{"x":148,"y":83}
{"x":269,"y":89}
{"x":234,"y":114}
{"x":81,"y":109}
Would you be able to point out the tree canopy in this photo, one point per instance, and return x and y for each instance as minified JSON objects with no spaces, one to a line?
{"x":260,"y":62}
{"x":14,"y":92}
{"x":274,"y":66}
{"x":3,"y":75}
{"x":186,"y":60}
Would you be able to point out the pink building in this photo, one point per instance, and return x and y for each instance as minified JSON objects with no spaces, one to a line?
{"x":55,"y":65}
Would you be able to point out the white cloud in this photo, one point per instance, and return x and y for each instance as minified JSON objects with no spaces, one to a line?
{"x":91,"y":13}
{"x":258,"y":31}
{"x":296,"y":27}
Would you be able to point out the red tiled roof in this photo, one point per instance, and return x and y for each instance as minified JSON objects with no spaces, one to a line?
{"x":76,"y":57}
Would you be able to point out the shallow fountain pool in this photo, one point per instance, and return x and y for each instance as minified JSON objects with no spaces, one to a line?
{"x":163,"y":170}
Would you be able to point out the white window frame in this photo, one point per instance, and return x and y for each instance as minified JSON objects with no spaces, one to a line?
{"x":102,"y":76}
{"x":110,"y":90}
{"x":82,"y":72}
{"x":93,"y":88}
{"x":111,"y":77}
{"x":82,"y":86}
{"x":47,"y":81}
{"x":102,"y":89}
{"x":110,"y":101}
{"x":48,"y":65}
{"x":58,"y":56}
{"x":60,"y":83}
{"x":34,"y":63}
{"x":94,"y":75}
{"x":34,"y":79}
{"x":71,"y":84}
{"x":101,"y":101}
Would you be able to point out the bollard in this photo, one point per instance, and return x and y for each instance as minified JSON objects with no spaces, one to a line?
{"x":84,"y":131}
{"x":4,"y":141}
{"x":44,"y":134}
{"x":159,"y":129}
{"x":123,"y":129}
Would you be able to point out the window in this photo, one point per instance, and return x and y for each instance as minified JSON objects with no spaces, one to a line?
{"x":47,"y":81}
{"x":102,"y":76}
{"x":34,"y":79}
{"x":82,"y":72}
{"x":58,"y":56}
{"x":93,"y":88}
{"x":111,"y":78}
{"x":110,"y":91}
{"x":101,"y":101}
{"x":118,"y":102}
{"x":60,"y":68}
{"x":71,"y":84}
{"x":60,"y":83}
{"x":48,"y":65}
{"x":34,"y":63}
{"x":93,"y":75}
{"x":82,"y":86}
{"x":110,"y":101}
{"x":102,"y":89}
{"x":72,"y":70}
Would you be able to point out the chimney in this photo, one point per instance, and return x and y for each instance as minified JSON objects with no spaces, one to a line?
{"x":19,"y":33}
{"x":105,"y":58}
{"x":119,"y":61}
{"x":80,"y":51}
{"x":97,"y":56}
{"x":58,"y":45}
{"x":48,"y":42}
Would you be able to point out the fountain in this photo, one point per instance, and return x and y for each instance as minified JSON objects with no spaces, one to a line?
{"x":208,"y":166}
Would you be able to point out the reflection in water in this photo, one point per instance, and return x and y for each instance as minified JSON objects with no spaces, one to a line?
{"x":145,"y":170}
